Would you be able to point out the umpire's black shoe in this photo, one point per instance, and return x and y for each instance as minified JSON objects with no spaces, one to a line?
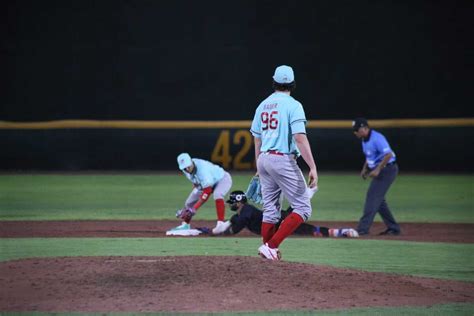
{"x":391,"y":232}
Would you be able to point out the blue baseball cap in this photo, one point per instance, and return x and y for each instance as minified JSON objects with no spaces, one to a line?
{"x":184,"y":161}
{"x":284,"y":74}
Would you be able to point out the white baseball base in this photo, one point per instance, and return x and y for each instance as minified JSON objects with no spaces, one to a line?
{"x":183,"y":232}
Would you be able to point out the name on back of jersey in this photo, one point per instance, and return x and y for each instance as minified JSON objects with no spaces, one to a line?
{"x":270,"y":106}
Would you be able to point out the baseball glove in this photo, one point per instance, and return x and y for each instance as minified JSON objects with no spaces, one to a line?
{"x":254,"y":190}
{"x":186,"y":214}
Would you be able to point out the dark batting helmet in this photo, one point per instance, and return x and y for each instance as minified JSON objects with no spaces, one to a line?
{"x":237,"y":196}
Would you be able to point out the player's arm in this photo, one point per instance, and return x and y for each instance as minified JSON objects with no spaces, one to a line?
{"x":256,"y":130}
{"x":298,"y":122}
{"x":258,"y":145}
{"x":365,"y":171}
{"x":374,"y":173}
{"x":237,"y":224}
{"x":305,"y":149}
{"x":206,"y":193}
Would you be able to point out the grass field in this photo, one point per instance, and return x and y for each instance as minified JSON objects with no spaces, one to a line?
{"x":413,"y":198}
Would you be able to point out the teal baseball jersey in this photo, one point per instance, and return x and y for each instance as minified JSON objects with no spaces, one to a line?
{"x":276,"y":120}
{"x":206,"y":175}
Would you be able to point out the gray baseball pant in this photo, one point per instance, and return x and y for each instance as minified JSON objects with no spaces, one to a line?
{"x":220,"y":190}
{"x":281,"y":174}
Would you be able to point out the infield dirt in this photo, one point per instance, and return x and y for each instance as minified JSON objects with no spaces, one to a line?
{"x":153,"y":228}
{"x":209,"y":283}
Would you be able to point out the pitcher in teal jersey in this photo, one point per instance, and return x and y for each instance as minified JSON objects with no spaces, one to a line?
{"x":280,"y":138}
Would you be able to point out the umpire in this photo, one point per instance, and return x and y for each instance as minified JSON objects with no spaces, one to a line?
{"x":380,"y":164}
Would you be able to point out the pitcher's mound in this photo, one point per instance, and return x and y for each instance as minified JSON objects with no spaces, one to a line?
{"x":208,"y":284}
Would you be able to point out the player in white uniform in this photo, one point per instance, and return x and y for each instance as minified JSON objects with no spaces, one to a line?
{"x":279,"y":132}
{"x":207,"y":179}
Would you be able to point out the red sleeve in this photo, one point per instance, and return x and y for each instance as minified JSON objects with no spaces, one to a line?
{"x":206,"y":192}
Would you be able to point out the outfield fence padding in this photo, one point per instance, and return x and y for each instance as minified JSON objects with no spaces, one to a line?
{"x":134,"y":145}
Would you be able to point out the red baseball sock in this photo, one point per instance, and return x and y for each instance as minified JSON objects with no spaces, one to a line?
{"x":286,"y":228}
{"x":268,"y":230}
{"x":220,"y":209}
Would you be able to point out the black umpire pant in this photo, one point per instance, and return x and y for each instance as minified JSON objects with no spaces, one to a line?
{"x":375,"y":200}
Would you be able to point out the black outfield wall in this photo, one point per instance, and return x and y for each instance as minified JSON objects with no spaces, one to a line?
{"x":417,"y":149}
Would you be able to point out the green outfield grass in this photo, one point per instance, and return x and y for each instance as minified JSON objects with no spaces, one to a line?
{"x":413,"y":198}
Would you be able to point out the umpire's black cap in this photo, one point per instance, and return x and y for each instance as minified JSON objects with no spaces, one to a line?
{"x":237,"y":196}
{"x":358,"y":123}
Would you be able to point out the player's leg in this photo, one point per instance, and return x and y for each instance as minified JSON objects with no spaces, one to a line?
{"x":388,"y":218}
{"x":291,"y":181}
{"x":375,"y":196}
{"x":372,"y":203}
{"x":220,"y":190}
{"x":343,"y":232}
{"x":390,"y":174}
{"x":285,"y":213}
{"x":271,"y":199}
{"x":311,"y":230}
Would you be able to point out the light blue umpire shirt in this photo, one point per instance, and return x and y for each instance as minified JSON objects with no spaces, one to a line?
{"x":375,"y":148}
{"x":207,"y":174}
{"x":276,"y":120}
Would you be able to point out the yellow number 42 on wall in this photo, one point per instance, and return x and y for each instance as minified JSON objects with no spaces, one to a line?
{"x":222,"y":150}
